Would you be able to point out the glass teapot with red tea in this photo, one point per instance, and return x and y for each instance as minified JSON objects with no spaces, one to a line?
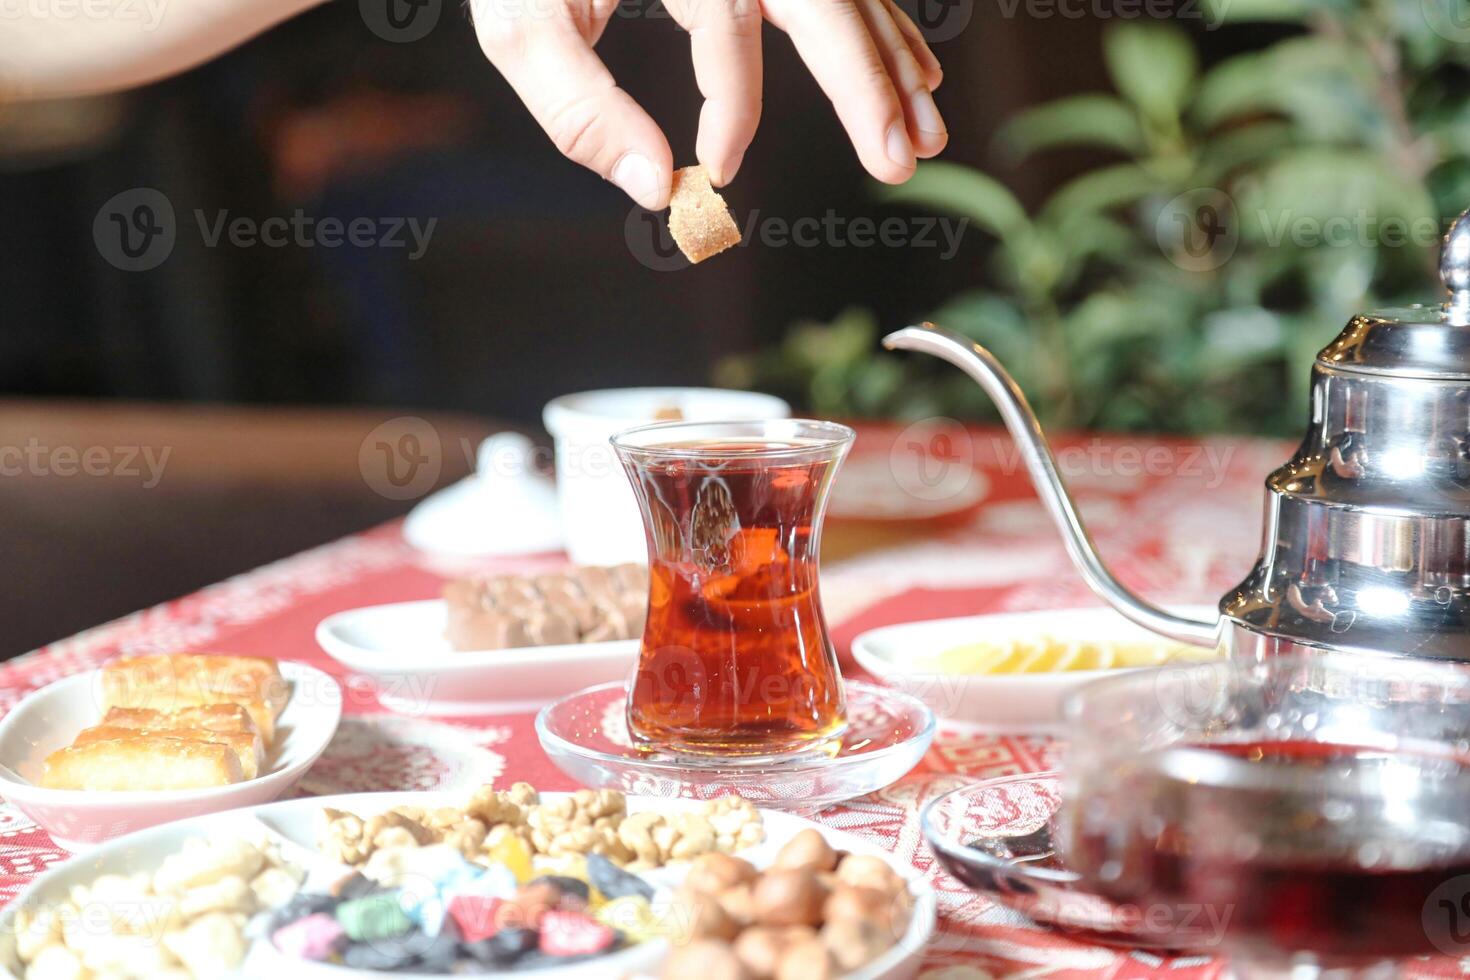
{"x":1367,"y":531}
{"x":735,"y":657}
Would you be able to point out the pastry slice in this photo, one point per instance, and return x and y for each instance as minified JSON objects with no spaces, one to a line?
{"x":225,"y":718}
{"x":142,"y":762}
{"x":246,"y":745}
{"x":173,"y":682}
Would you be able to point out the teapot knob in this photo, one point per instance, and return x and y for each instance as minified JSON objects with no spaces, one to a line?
{"x":1454,"y":270}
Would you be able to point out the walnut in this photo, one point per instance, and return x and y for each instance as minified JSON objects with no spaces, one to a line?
{"x":736,"y":822}
{"x":584,"y":823}
{"x":523,"y":795}
{"x":495,"y":834}
{"x":342,"y":838}
{"x":467,"y":836}
{"x":636,"y":834}
{"x":491,"y":807}
{"x":393,"y":829}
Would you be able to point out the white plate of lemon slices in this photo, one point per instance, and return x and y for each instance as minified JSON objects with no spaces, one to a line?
{"x":1012,"y":671}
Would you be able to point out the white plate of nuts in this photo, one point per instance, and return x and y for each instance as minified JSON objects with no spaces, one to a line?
{"x":557,"y":886}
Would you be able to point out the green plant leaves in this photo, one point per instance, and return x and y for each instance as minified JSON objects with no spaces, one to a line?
{"x":969,"y":193}
{"x":1083,"y":120}
{"x":1152,"y":64}
{"x":1312,"y":146}
{"x":1322,"y":84}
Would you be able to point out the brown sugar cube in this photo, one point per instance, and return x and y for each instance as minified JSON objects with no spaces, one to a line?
{"x":698,"y":218}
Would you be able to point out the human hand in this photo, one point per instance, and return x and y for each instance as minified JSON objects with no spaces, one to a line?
{"x":867,"y":56}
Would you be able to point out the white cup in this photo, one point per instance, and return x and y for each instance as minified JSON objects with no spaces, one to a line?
{"x":599,"y":515}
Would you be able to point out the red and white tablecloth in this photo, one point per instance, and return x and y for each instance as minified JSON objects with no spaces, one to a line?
{"x":1178,"y":520}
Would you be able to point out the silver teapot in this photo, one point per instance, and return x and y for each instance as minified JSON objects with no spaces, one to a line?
{"x":1366,"y":546}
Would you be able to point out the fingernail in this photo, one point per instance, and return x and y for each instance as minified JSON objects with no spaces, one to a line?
{"x":926,"y":115}
{"x":730,"y":169}
{"x":638,"y":178}
{"x":900,"y":150}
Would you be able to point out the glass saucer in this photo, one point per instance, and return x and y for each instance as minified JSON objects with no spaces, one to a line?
{"x":996,"y":838}
{"x":586,"y":735}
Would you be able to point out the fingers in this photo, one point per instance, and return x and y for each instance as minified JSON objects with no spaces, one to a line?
{"x":926,"y":127}
{"x":833,"y":38}
{"x":933,"y":72}
{"x":552,"y":67}
{"x":725,"y":42}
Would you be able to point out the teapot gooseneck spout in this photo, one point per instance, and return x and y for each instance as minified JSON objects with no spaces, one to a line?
{"x":982,"y":365}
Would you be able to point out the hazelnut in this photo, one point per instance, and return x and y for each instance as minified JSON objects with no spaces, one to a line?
{"x":788,"y":897}
{"x":808,"y":960}
{"x":869,"y":872}
{"x":808,"y":849}
{"x":706,"y":917}
{"x":855,"y":942}
{"x":713,"y":873}
{"x":738,"y":902}
{"x":855,"y":903}
{"x":706,"y":959}
{"x":760,"y":949}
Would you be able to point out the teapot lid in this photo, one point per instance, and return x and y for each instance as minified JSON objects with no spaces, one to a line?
{"x":1430,"y":342}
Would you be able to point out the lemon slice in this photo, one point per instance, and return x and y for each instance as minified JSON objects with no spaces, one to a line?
{"x":1041,"y":656}
{"x":973,"y":658}
{"x":1046,"y":655}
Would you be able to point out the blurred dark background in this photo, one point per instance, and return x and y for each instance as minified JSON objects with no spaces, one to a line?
{"x":261,"y":369}
{"x":527,"y":289}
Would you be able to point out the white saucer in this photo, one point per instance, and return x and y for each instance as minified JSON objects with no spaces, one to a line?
{"x":401,"y":648}
{"x":888,"y":733}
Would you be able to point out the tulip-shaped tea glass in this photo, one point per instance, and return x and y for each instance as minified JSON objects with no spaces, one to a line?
{"x":735,"y":658}
{"x":1316,"y":808}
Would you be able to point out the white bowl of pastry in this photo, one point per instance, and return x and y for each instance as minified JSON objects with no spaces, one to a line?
{"x":146,"y":740}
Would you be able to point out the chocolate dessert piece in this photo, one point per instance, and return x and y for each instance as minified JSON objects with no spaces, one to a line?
{"x":581,"y":605}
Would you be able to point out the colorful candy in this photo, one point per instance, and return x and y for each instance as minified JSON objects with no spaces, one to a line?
{"x":613,"y":881}
{"x":315,"y":937}
{"x":374,"y":918}
{"x":568,"y":933}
